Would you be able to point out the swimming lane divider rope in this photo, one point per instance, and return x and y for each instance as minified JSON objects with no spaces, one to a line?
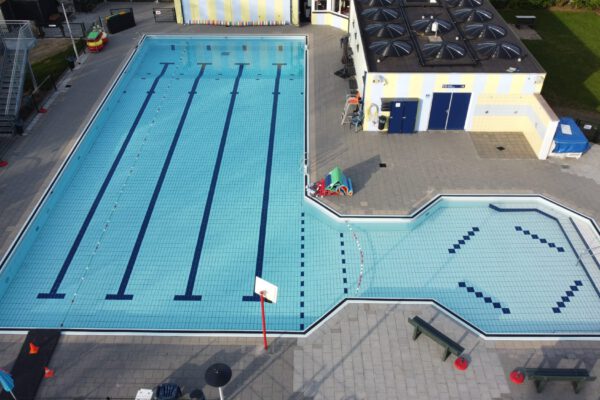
{"x":120,"y":295}
{"x":260,"y":254}
{"x":53,"y":293}
{"x":189,"y":291}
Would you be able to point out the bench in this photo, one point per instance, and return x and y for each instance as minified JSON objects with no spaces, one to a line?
{"x":449,"y":345}
{"x":527,"y":20}
{"x":541,"y":376}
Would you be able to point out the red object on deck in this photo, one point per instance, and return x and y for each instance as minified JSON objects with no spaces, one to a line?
{"x":264,"y":323}
{"x":48,"y":373}
{"x":461,"y":363}
{"x":43,"y":110}
{"x":517,"y":377}
{"x":3,"y":163}
{"x":33,"y":349}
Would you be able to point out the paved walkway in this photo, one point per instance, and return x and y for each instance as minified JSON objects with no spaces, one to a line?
{"x":363,"y":352}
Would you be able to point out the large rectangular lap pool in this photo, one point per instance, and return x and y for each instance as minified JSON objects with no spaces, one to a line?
{"x":189,"y":182}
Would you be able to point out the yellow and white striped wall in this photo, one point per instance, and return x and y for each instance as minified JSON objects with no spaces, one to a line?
{"x":518,"y":93}
{"x":237,"y":12}
{"x":529,"y":114}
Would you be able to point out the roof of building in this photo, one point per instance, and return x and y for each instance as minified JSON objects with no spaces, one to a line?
{"x":440,"y":36}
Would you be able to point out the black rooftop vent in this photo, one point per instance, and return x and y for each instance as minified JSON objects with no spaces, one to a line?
{"x":484,"y":31}
{"x":377,"y":3}
{"x":503,"y":50}
{"x":472,"y":14}
{"x":465,"y":3}
{"x":381,"y":30}
{"x":429,"y":25}
{"x":391,"y":48}
{"x":443,"y":50}
{"x":380,"y":14}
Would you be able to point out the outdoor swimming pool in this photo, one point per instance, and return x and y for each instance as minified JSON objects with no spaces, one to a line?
{"x":189,"y":182}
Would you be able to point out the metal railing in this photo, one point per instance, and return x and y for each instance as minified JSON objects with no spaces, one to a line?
{"x":16,"y":36}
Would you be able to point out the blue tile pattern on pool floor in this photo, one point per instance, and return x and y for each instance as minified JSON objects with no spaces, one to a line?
{"x":189,"y":183}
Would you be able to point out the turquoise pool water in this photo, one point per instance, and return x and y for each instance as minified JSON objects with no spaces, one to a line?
{"x":189,"y":183}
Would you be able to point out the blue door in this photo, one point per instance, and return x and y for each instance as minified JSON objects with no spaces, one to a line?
{"x":449,"y":111}
{"x":440,"y":105}
{"x":409,"y":118}
{"x":403,"y":115}
{"x":458,"y":111}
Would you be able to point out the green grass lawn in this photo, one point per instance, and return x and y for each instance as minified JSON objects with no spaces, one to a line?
{"x":52,"y":66}
{"x":570,"y":54}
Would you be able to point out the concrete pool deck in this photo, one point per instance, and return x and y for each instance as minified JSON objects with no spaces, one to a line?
{"x":362,"y":352}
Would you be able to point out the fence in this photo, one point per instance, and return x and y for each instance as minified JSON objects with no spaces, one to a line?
{"x":164,"y":14}
{"x":61,"y":30}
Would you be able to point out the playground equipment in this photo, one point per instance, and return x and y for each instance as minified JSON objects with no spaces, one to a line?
{"x":334,"y":184}
{"x":96,"y":40}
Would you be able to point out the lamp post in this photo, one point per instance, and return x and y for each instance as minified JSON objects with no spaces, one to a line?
{"x":70,"y":32}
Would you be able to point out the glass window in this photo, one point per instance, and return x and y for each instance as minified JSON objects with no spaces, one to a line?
{"x":320,"y":5}
{"x":342,"y":6}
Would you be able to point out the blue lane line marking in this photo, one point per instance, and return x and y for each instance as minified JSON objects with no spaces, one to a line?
{"x":552,"y":245}
{"x":189,"y":296}
{"x":496,"y":208}
{"x":344,"y":277}
{"x":457,"y":245}
{"x":567,"y":298}
{"x":486,"y":299}
{"x":53,"y":293}
{"x":266,"y":189}
{"x":120,"y":295}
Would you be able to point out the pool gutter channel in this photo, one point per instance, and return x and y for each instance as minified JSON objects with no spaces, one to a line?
{"x":315,"y":202}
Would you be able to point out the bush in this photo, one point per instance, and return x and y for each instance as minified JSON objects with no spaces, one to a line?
{"x":539,"y":4}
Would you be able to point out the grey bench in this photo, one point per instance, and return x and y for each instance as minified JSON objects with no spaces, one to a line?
{"x":527,"y":20}
{"x":449,"y":345}
{"x":541,"y":376}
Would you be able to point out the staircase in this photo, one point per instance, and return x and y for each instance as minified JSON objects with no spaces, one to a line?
{"x":17,"y":39}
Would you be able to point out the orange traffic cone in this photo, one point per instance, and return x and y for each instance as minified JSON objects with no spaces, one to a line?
{"x":48,"y":373}
{"x":33,"y":349}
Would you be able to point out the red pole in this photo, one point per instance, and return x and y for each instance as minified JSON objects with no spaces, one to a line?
{"x":264,"y":323}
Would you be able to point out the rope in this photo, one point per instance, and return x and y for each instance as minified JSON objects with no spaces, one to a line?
{"x":361,"y":255}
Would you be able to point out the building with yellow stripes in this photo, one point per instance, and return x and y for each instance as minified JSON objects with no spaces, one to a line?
{"x":424,"y":65}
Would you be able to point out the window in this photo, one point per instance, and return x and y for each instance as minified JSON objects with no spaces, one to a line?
{"x":320,"y":5}
{"x":342,"y":6}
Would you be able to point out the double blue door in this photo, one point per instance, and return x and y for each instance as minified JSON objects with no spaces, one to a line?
{"x":449,"y":111}
{"x":403,"y":116}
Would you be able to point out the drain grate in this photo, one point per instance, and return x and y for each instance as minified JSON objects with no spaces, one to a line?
{"x":382,"y":165}
{"x":500,"y":148}
{"x":565,"y":166}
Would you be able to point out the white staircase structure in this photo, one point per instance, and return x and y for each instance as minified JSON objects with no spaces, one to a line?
{"x":16,"y":40}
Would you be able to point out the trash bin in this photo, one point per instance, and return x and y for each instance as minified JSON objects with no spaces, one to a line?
{"x":382,"y":121}
{"x":71,"y":61}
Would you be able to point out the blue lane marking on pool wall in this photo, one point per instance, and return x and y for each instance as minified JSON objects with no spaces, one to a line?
{"x":120,"y":295}
{"x":53,"y":293}
{"x":260,"y":255}
{"x":189,"y":291}
{"x":534,"y":236}
{"x":482,"y":296}
{"x":464,"y":240}
{"x":567,"y":297}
